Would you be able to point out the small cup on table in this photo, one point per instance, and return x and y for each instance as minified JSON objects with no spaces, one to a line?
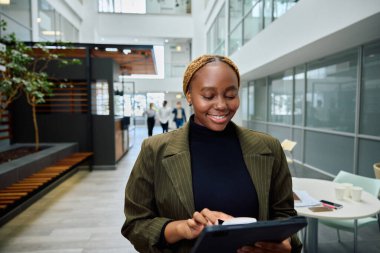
{"x":340,"y":191}
{"x":356,"y":193}
{"x":347,"y":193}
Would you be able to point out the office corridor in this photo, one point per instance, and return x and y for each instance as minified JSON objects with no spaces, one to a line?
{"x":82,"y":215}
{"x":85,"y":213}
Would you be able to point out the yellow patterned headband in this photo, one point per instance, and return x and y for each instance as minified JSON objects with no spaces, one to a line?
{"x":199,"y":62}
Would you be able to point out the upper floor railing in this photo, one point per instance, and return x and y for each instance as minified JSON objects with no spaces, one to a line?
{"x":178,"y":7}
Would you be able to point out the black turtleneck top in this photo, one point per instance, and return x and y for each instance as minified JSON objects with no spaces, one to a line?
{"x":221,"y":181}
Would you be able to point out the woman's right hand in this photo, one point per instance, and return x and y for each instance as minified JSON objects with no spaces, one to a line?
{"x":191,"y":228}
{"x":208,"y":217}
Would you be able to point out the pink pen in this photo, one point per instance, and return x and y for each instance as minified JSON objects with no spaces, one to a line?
{"x":329,"y":206}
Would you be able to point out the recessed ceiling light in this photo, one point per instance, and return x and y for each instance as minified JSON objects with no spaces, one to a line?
{"x":51,"y":33}
{"x":111,"y":49}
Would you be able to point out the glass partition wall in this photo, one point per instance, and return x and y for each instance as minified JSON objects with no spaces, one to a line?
{"x":331,"y":92}
{"x":246,"y":18}
{"x":18,"y":18}
{"x":217,"y":33}
{"x":52,"y":26}
{"x":329,"y":106}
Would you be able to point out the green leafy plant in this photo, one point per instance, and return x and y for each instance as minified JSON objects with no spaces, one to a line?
{"x":14,"y":59}
{"x":24,"y":72}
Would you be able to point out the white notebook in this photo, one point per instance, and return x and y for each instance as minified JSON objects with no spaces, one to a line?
{"x":305,"y":199}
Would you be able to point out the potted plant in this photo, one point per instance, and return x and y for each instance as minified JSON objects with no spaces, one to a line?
{"x":24,"y":73}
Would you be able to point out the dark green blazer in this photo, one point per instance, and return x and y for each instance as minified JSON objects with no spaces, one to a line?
{"x":159,"y":188}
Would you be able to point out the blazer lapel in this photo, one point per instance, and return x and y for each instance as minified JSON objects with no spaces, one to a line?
{"x":178,"y":167}
{"x":259,"y":161}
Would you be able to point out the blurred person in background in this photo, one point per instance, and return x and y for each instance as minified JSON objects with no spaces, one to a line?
{"x":151,"y":118}
{"x":179,"y":115}
{"x":164,"y":114}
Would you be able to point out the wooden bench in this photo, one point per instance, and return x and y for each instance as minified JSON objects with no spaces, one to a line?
{"x":16,"y":194}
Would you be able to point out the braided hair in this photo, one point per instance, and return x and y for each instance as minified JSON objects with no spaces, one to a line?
{"x":201,"y":61}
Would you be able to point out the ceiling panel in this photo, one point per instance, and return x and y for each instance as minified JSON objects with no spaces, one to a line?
{"x":137,"y":61}
{"x":131,"y":59}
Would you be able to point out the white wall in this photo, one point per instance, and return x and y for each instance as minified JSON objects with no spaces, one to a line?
{"x":158,"y":85}
{"x":310,"y":30}
{"x":76,"y":6}
{"x":125,"y":28}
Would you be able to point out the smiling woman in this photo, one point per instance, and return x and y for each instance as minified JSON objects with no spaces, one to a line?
{"x":208,"y":170}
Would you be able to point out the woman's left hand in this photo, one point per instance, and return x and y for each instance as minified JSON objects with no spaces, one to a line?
{"x":260,"y":247}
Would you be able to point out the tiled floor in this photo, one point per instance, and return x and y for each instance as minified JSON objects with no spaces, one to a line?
{"x":85,"y":213}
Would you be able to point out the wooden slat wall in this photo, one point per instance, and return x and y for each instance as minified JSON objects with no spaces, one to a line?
{"x":73,"y":98}
{"x":5,"y":129}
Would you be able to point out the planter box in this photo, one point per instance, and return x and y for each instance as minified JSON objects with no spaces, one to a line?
{"x":21,"y":168}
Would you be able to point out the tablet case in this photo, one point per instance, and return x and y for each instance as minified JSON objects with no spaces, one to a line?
{"x":229,"y":238}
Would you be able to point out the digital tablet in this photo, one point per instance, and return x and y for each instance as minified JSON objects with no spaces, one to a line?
{"x":229,"y":238}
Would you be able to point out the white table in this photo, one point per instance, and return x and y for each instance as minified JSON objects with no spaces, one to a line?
{"x":323,"y":189}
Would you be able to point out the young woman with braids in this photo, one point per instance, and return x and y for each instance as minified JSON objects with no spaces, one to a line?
{"x":207,"y":170}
